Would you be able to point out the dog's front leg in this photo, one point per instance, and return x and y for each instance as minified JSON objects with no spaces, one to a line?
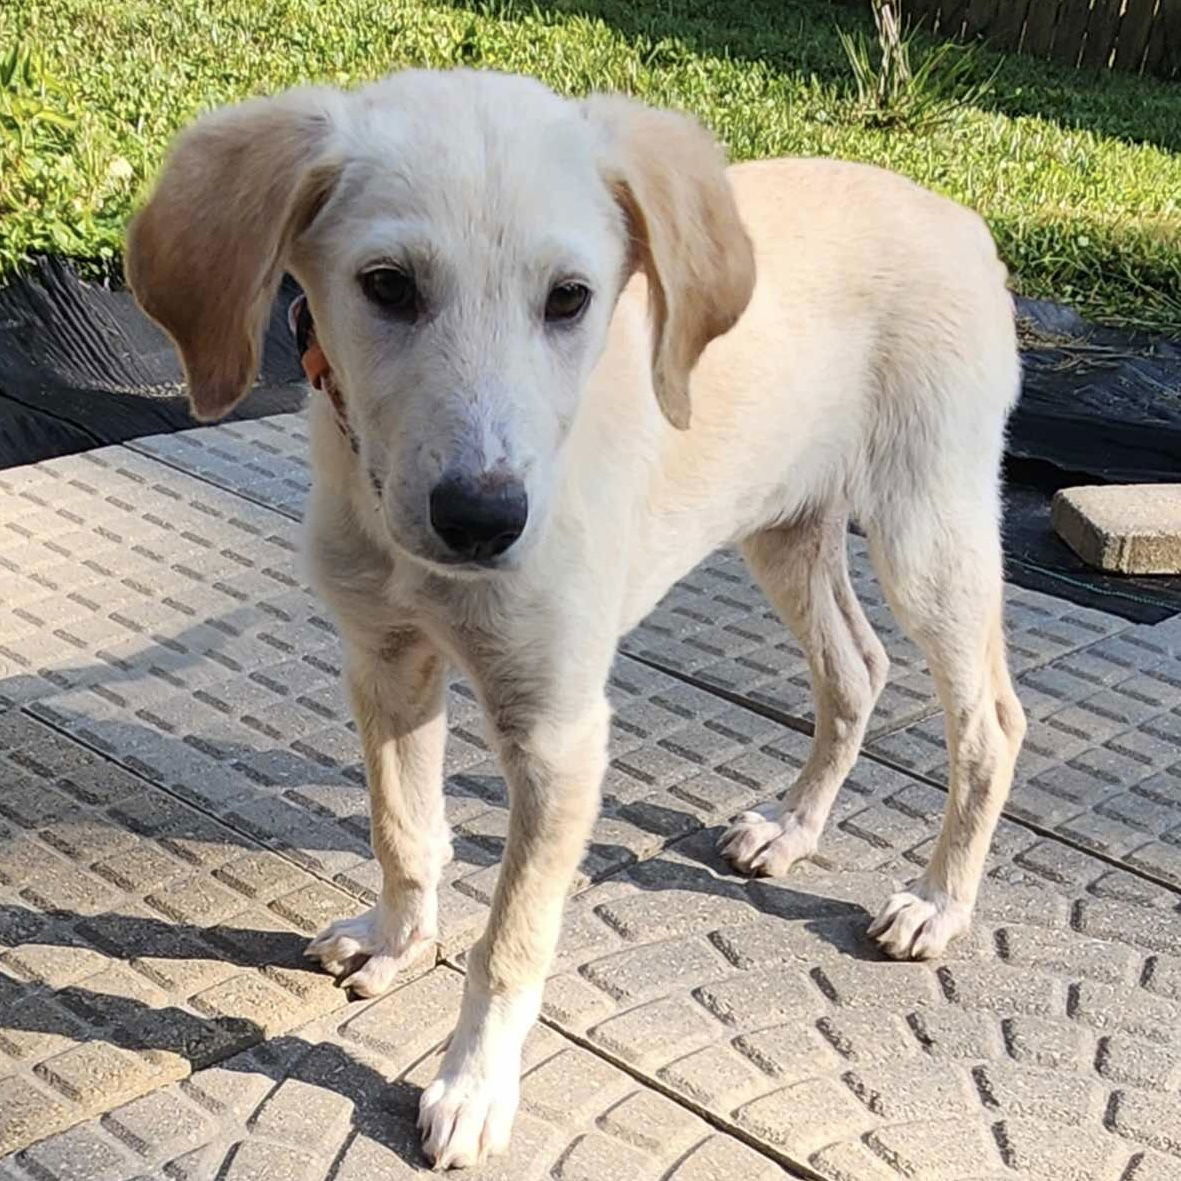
{"x":397,"y":696}
{"x":554,"y":767}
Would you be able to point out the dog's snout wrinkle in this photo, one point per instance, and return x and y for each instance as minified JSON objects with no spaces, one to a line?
{"x":478,"y":519}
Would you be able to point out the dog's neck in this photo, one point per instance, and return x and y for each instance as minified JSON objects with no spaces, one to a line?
{"x":316,"y":366}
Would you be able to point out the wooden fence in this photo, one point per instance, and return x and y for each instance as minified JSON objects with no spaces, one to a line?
{"x":1138,"y":35}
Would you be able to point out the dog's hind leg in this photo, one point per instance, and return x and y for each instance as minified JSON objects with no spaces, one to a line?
{"x":803,"y":570}
{"x":939,"y":561}
{"x":396,"y":689}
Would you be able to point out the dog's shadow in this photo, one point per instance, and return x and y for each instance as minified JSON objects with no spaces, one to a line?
{"x":694,"y":864}
{"x":383,"y":1109}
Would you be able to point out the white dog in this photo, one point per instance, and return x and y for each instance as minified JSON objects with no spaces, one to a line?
{"x":556,"y":386}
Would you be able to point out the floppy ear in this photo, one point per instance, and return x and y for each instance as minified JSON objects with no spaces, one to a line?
{"x":669,"y":176}
{"x":205,"y":255}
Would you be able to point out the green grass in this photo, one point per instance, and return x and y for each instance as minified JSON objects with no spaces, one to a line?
{"x":1079,"y":174}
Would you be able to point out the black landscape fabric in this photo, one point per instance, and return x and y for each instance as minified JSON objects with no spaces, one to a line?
{"x":82,"y":367}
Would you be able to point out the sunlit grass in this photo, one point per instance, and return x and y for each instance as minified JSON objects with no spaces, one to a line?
{"x":1078,"y":174}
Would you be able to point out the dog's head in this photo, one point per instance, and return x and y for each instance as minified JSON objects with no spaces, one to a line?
{"x":462,"y":238}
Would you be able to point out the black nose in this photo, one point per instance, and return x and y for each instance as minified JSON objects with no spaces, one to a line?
{"x":478,"y":520}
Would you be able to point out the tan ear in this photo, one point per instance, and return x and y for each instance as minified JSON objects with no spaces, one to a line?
{"x":205,"y":255}
{"x":669,"y":176}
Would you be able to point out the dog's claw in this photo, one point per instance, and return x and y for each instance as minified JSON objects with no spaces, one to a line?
{"x":919,"y":923}
{"x":465,"y":1121}
{"x":766,"y":844}
{"x":375,"y":936}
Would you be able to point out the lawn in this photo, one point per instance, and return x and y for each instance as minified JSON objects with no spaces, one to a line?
{"x":1079,"y":174}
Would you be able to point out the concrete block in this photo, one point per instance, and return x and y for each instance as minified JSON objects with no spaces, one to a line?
{"x":1126,"y":528}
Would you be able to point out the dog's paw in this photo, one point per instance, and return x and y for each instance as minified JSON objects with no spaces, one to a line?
{"x":467,"y":1118}
{"x":764,"y":843}
{"x":919,"y":923}
{"x":369,"y":952}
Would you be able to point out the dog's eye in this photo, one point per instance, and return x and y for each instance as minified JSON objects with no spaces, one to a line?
{"x":566,"y":302}
{"x":392,"y":290}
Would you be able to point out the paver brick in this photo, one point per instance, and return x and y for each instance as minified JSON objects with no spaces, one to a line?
{"x":635,"y":973}
{"x":197,"y":900}
{"x":25,"y":1110}
{"x":789,"y":1053}
{"x":935,"y":1149}
{"x":568,"y":1087}
{"x":956,"y":1034}
{"x":805,"y":1115}
{"x":869,"y":1039}
{"x":851,"y":1161}
{"x":260,"y":875}
{"x":1152,"y":929}
{"x":67,"y":888}
{"x":1152,"y":1166}
{"x":1048,"y":1153}
{"x":1062,"y":952}
{"x":1001,"y":989}
{"x":144,"y":866}
{"x":1148,"y":1119}
{"x":1123,"y":886}
{"x":595,"y":1156}
{"x":248,"y":997}
{"x":1129,"y":528}
{"x":761,"y":996}
{"x":161,"y":1123}
{"x":300,"y":1112}
{"x":1109,"y":1009}
{"x":230,"y":1090}
{"x":257,"y":1160}
{"x":671,"y":913}
{"x":97,"y":1074}
{"x":716,"y":1076}
{"x":720,"y":1158}
{"x":1052,"y":1097}
{"x":1050,"y":1044}
{"x":651,"y":1122}
{"x":36,"y":1026}
{"x":1162,"y":975}
{"x":81,"y":1154}
{"x":911,"y":1091}
{"x":417,"y":1014}
{"x":650,"y":1033}
{"x":1138,"y":1063}
{"x":54,"y":964}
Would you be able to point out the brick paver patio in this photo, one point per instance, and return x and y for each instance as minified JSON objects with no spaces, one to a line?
{"x":181,"y":806}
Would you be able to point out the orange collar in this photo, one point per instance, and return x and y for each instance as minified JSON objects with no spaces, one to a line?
{"x":316,"y":366}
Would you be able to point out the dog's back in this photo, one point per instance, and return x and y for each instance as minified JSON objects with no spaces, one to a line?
{"x":879,"y":345}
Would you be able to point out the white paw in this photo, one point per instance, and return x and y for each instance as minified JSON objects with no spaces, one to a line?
{"x":389,"y":943}
{"x":765,"y":843}
{"x":467,"y":1118}
{"x":919,"y":923}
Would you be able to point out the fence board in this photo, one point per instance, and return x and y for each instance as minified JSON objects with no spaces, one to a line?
{"x":952,"y":14}
{"x":983,"y":16}
{"x":1010,"y":23}
{"x":1072,"y":28}
{"x":1134,"y":32}
{"x":1127,"y":34}
{"x":1040,"y":25}
{"x":1101,"y":33}
{"x":1164,"y":47}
